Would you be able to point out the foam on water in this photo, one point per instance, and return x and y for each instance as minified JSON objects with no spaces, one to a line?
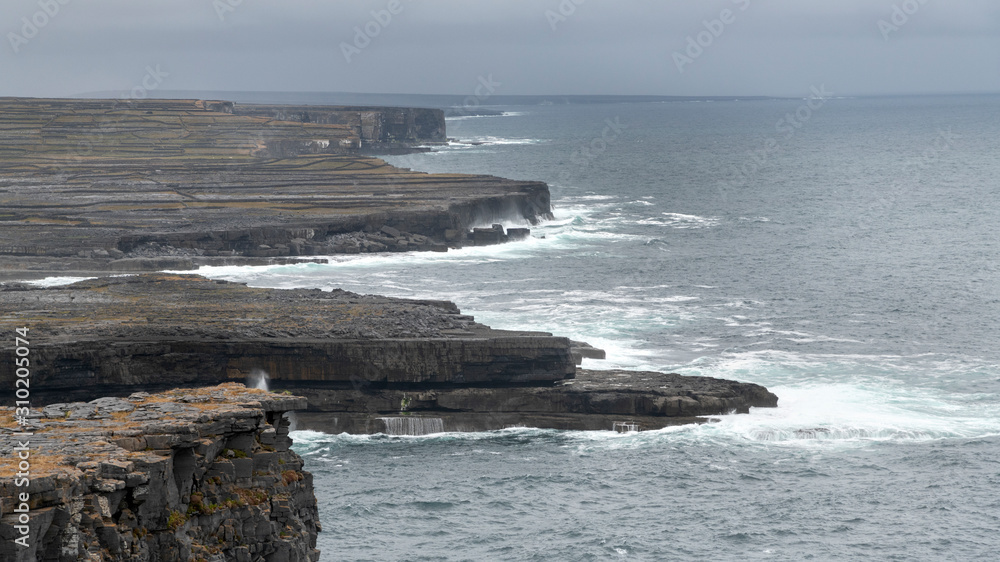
{"x":570,"y":229}
{"x":56,"y":281}
{"x":474,"y":142}
{"x":680,"y":221}
{"x":872,"y":336}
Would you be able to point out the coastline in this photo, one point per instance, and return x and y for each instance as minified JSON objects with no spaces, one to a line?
{"x":174,"y":185}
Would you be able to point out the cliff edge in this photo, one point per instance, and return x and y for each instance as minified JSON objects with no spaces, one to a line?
{"x":368,"y":364}
{"x":184,"y":475}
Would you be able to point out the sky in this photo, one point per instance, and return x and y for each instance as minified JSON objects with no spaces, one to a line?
{"x":60,"y":48}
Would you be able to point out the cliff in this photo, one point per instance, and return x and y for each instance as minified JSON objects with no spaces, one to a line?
{"x":376,"y":127}
{"x":102,"y":336}
{"x":178,"y":476}
{"x":591,"y":401}
{"x":362,"y":360}
{"x":106,"y":185}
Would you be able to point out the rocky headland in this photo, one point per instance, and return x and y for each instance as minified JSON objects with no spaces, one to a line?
{"x":364,"y":361}
{"x":202,"y":474}
{"x":100,"y":187}
{"x":111,"y":186}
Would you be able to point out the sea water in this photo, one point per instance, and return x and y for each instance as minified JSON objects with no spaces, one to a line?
{"x":845,"y":256}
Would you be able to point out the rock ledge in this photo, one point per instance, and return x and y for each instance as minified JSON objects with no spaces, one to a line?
{"x":183,"y":475}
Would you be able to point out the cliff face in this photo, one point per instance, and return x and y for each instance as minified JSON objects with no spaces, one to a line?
{"x":100,"y":185}
{"x":592,"y":400}
{"x":368,"y":364}
{"x":102,"y":336}
{"x":179,"y":476}
{"x":375,"y":126}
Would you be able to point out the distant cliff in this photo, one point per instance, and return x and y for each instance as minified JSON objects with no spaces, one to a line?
{"x":377,"y":127}
{"x":85,"y":183}
{"x":186,"y":475}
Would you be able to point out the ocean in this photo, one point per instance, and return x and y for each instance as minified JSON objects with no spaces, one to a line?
{"x":842,"y":252}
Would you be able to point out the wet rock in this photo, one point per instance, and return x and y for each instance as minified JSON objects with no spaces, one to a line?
{"x":392,"y":232}
{"x":514,"y":234}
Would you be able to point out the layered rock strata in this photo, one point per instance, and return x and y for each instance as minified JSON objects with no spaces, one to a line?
{"x":376,"y":127}
{"x":362,"y":360}
{"x":593,"y":400}
{"x":159,"y":330}
{"x":101,"y":185}
{"x":184,"y":475}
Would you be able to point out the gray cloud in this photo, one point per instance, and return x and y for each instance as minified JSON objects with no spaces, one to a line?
{"x":773,"y":47}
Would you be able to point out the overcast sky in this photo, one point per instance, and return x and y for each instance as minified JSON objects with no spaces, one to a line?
{"x":663,"y":47}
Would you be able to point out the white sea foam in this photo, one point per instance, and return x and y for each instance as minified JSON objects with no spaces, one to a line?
{"x":478,"y":141}
{"x":861,"y":411}
{"x":57,"y":281}
{"x":678,"y":220}
{"x":502,"y":114}
{"x":848,"y":398}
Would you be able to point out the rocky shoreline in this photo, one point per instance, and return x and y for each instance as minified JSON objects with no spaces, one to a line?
{"x":101,"y":186}
{"x":166,"y":185}
{"x":360,"y":359}
{"x":202,"y":474}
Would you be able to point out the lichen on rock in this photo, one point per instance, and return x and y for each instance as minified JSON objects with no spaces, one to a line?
{"x":192,"y":474}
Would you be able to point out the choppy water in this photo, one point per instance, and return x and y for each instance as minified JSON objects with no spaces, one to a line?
{"x":851,"y":267}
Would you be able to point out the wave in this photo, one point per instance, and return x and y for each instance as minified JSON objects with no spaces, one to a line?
{"x":478,"y":141}
{"x":821,"y":416}
{"x":487,"y":116}
{"x":56,"y":281}
{"x":680,"y":221}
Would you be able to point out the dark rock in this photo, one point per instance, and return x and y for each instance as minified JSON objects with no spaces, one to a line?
{"x":119,"y":335}
{"x":488,"y":236}
{"x":518,"y":233}
{"x":582,"y":350}
{"x":391,"y":231}
{"x":594,"y":400}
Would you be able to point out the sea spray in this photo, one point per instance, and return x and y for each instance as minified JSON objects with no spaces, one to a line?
{"x":258,"y":379}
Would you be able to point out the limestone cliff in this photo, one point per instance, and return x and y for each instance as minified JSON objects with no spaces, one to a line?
{"x":104,"y":185}
{"x":374,"y":126}
{"x":184,"y":475}
{"x":366,"y":363}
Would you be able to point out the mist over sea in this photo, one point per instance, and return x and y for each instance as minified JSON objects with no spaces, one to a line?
{"x":845,"y":256}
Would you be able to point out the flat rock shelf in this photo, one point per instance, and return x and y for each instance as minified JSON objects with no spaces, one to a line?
{"x":361,"y":360}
